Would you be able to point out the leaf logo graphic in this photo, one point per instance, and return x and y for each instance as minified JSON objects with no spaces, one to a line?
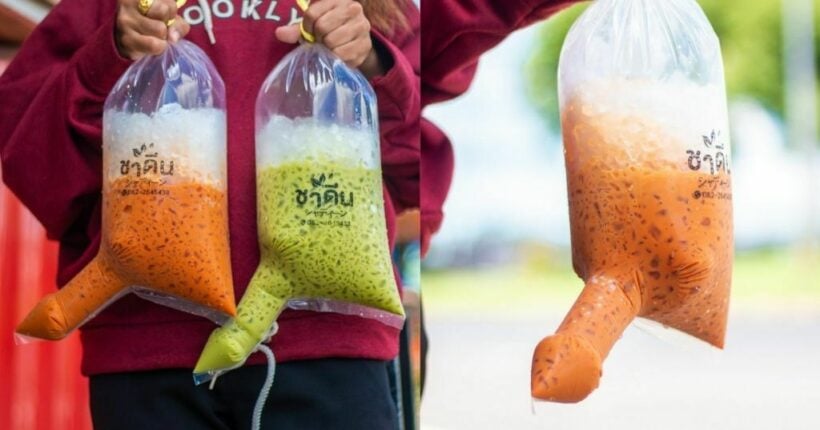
{"x":317,"y":182}
{"x":712,"y":139}
{"x":143,"y":148}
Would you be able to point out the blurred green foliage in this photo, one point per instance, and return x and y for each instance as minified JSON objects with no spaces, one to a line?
{"x":542,"y":68}
{"x":751,"y":39}
{"x":765,"y":278}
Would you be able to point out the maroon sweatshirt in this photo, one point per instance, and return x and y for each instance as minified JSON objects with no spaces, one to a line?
{"x":455,"y":34}
{"x":51,"y":102}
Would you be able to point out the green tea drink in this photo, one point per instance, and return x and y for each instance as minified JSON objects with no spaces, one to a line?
{"x":322,"y":234}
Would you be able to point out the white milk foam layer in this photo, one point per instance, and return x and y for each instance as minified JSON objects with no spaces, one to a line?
{"x":194,"y":139}
{"x":284,"y":140}
{"x":652,"y":118}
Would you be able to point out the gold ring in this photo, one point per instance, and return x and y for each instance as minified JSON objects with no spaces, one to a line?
{"x":144,"y":5}
{"x":310,"y":38}
{"x":171,"y":21}
{"x":305,"y":35}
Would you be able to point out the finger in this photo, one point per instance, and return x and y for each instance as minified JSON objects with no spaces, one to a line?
{"x":141,"y":45}
{"x":288,"y":34}
{"x":335,"y":18}
{"x":355,"y":52}
{"x":128,"y":6}
{"x":316,"y":11}
{"x":162,"y":10}
{"x":151,"y":27}
{"x":350,"y":31}
{"x":178,"y":30}
{"x":128,"y":49}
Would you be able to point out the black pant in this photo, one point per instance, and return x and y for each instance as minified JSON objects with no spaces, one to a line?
{"x":322,"y":394}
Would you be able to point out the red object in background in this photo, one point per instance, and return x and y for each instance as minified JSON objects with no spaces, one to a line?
{"x":41,"y":387}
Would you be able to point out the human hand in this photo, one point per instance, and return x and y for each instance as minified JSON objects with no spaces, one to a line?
{"x":138,"y":35}
{"x":341,"y":26}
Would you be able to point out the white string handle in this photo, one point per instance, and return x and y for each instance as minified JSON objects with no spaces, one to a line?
{"x":263,"y":395}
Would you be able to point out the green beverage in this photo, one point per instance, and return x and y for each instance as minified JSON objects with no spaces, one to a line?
{"x":322,"y":236}
{"x":322,"y":225}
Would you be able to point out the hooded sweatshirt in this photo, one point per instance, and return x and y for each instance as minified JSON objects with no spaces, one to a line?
{"x":455,"y":35}
{"x":51,"y":104}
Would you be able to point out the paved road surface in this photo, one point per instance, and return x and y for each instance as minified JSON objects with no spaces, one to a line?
{"x":767,"y":378}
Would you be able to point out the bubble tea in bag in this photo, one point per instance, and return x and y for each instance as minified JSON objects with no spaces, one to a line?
{"x":643,"y":113}
{"x":320,"y":203}
{"x":164,"y":202}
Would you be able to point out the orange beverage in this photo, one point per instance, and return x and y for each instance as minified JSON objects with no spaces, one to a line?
{"x":164,"y":223}
{"x":651,"y":227}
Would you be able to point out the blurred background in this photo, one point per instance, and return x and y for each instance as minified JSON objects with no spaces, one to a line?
{"x":498,"y":277}
{"x":40,"y":384}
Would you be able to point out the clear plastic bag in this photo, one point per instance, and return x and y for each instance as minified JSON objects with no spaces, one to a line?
{"x":322,"y":231}
{"x":164,"y":198}
{"x":643,"y":113}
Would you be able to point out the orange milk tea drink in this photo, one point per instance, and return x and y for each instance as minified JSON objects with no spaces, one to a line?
{"x":649,"y":187}
{"x":164,"y":202}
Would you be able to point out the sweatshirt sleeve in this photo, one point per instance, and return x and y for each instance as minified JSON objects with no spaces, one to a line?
{"x":51,"y":113}
{"x":399,"y":97}
{"x":436,"y":175}
{"x":456,"y":33}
